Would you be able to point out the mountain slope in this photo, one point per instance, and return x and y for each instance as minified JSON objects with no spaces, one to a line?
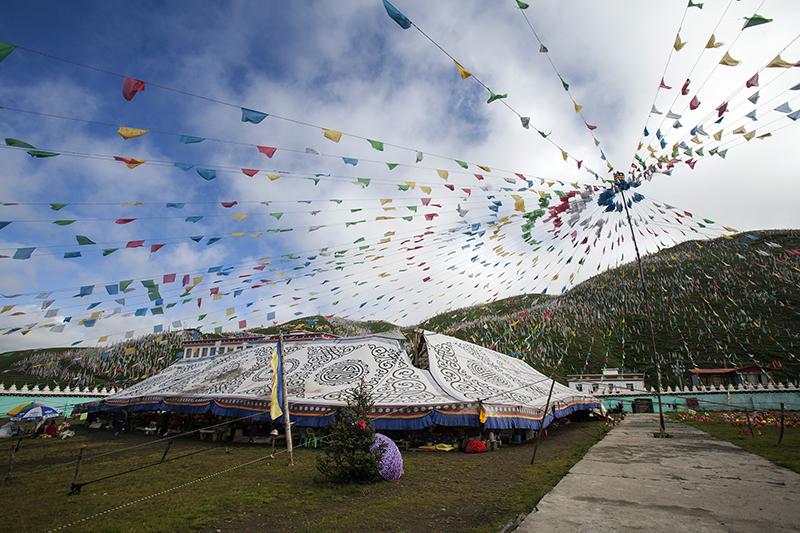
{"x":729,"y":301}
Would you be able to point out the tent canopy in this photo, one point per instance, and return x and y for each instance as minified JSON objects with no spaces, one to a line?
{"x":462,"y":381}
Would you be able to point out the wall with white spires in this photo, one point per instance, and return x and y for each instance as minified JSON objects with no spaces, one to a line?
{"x":711,"y":398}
{"x":36,"y":390}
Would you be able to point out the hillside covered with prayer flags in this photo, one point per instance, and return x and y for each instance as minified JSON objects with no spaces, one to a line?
{"x":721,"y":303}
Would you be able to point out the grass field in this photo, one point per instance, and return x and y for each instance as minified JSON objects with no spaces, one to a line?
{"x":438,"y":492}
{"x":786,"y":454}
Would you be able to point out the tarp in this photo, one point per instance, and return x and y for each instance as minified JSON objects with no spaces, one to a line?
{"x":319,"y":374}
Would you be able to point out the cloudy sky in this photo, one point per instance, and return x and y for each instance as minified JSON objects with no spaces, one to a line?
{"x":348,"y":67}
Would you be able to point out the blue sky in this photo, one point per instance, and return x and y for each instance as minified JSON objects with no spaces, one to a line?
{"x":347,"y":66}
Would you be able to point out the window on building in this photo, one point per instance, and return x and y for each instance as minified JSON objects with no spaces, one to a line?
{"x":595,"y":387}
{"x":630,"y":386}
{"x":578,"y":386}
{"x":610,"y":387}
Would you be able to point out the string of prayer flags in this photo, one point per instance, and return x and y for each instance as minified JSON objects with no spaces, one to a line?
{"x":755,"y":20}
{"x":396,"y":15}
{"x":253,"y":116}
{"x":131,"y":133}
{"x":130,"y":87}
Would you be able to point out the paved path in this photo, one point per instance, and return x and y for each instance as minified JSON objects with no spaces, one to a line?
{"x":694,"y":482}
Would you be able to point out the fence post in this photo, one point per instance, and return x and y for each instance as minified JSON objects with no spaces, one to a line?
{"x":11,"y":457}
{"x":749,"y":424}
{"x":166,"y":451}
{"x":780,"y":436}
{"x":75,"y":488}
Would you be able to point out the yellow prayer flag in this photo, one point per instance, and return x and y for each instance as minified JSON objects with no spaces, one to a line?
{"x":718,"y":135}
{"x":273,"y":177}
{"x":333,"y":135}
{"x":461,"y":70}
{"x":778,"y":62}
{"x":425,"y":188}
{"x":713,"y":43}
{"x":239,"y":216}
{"x":129,"y":133}
{"x":728,"y":61}
{"x":385,"y":201}
{"x":564,"y":155}
{"x":484,"y":168}
{"x":443,"y":174}
{"x":578,"y":106}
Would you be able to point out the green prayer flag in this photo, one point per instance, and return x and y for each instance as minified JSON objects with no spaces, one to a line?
{"x":408,"y":219}
{"x":543,"y":134}
{"x":57,"y":207}
{"x":493,"y":97}
{"x":392,"y":166}
{"x":201,"y":317}
{"x":218,"y":330}
{"x":82,"y":240}
{"x":462,"y":164}
{"x":6,"y":49}
{"x":109,"y":251}
{"x":564,"y":84}
{"x":42,"y":153}
{"x":63,"y":222}
{"x":276,"y":215}
{"x":755,"y":20}
{"x":124,"y":284}
{"x":722,"y":153}
{"x":378,"y":145}
{"x":412,"y":208}
{"x":10,"y":141}
{"x":364,"y":182}
{"x":698,"y":5}
{"x":403,"y":187}
{"x":522,"y":5}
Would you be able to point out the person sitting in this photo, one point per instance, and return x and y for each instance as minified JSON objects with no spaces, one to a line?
{"x":51,"y":430}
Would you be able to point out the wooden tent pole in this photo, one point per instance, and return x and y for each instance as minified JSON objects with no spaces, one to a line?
{"x":544,"y":417}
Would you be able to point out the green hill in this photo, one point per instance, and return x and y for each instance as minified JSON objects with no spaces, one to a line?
{"x":724,"y":302}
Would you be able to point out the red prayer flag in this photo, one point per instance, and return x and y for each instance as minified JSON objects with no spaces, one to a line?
{"x":155,"y":247}
{"x":250,"y":171}
{"x":124,"y":220}
{"x":268,"y":151}
{"x":134,"y":244}
{"x":685,"y":88}
{"x":229,"y":204}
{"x":131,"y":86}
{"x":169,"y":278}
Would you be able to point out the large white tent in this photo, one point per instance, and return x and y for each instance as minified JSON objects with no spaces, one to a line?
{"x":459,"y":384}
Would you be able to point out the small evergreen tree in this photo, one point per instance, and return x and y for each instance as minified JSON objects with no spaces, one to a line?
{"x":348,"y":457}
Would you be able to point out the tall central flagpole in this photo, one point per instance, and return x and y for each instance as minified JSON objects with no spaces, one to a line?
{"x":286,"y":421}
{"x":654,"y":356}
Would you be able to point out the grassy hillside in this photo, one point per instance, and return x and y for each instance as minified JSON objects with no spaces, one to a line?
{"x":729,"y":301}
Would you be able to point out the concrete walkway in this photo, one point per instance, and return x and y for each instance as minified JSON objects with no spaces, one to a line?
{"x":631,"y":481}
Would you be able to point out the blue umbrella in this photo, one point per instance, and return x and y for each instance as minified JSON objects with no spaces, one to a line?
{"x":36,"y":411}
